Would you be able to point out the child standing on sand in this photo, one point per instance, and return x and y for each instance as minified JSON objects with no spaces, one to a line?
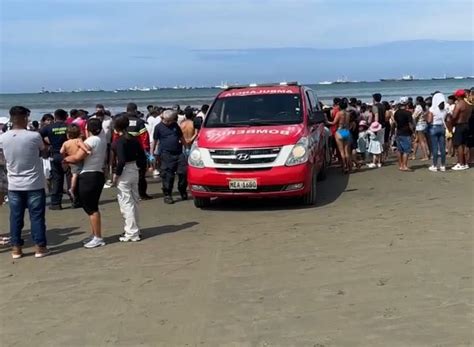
{"x":362,"y":142}
{"x":71,"y":147}
{"x":375,"y":147}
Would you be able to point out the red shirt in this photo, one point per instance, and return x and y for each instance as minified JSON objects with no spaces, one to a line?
{"x":81,"y":123}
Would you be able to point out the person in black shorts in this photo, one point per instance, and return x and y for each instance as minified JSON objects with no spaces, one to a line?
{"x":461,"y":116}
{"x":91,"y":179}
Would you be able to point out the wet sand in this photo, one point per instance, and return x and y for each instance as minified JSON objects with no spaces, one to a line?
{"x":384,"y":259}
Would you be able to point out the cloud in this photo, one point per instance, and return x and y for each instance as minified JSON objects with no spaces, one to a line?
{"x":179,"y":40}
{"x":226,"y":24}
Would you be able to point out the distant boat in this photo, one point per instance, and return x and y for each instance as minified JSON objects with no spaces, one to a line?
{"x":445,"y":77}
{"x":223,"y":85}
{"x":405,"y":78}
{"x":325,"y":83}
{"x":138,"y":89}
{"x":458,"y":77}
{"x":342,"y":80}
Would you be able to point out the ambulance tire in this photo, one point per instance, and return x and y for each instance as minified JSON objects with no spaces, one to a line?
{"x":309,"y":199}
{"x":322,"y":174}
{"x":202,"y":202}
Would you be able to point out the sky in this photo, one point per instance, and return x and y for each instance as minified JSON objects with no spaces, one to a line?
{"x":111,"y":44}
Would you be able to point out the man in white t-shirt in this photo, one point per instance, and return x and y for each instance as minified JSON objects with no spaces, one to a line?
{"x":25,"y":182}
{"x":152,"y":121}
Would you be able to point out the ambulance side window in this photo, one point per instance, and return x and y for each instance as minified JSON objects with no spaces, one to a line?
{"x":314,"y":106}
{"x":309,"y":102}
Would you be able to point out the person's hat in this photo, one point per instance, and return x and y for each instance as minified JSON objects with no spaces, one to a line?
{"x":363,"y":123}
{"x":403,"y":100}
{"x":375,"y":126}
{"x":459,"y":93}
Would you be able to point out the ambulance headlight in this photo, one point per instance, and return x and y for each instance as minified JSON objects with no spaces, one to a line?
{"x":299,"y":154}
{"x":195,"y":157}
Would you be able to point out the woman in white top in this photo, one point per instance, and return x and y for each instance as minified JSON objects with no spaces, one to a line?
{"x":437,"y":117}
{"x":419,"y":116}
{"x":91,"y":179}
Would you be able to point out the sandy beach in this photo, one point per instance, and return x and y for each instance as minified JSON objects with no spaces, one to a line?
{"x":384,"y":259}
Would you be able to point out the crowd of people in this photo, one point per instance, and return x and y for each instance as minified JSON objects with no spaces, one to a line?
{"x":89,"y":153}
{"x":436,"y":125}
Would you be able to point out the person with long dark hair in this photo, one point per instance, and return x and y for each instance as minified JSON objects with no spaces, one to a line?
{"x":91,"y":179}
{"x":419,"y":117}
{"x":130,"y":159}
{"x":437,"y":118}
{"x":343,"y":136}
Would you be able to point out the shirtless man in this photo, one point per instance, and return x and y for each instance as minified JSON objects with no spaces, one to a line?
{"x":189,"y":132}
{"x":461,"y":115}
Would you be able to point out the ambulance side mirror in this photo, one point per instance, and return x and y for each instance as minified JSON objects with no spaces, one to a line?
{"x":317,"y":117}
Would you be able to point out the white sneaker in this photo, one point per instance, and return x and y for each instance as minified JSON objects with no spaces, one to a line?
{"x":156,"y":173}
{"x":108,"y":184}
{"x":87,"y":239}
{"x":466,"y":167}
{"x":95,"y":242}
{"x":379,"y":165}
{"x":442,"y":169}
{"x":129,"y":239}
{"x":433,"y":168}
{"x":371,"y":166}
{"x":459,"y":167}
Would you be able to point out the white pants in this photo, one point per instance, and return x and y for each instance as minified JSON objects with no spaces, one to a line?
{"x":127,"y":197}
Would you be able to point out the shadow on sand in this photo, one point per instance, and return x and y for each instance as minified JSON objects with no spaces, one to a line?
{"x":328,"y":191}
{"x":58,"y":237}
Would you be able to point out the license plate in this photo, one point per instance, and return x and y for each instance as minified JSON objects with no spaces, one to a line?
{"x":243,"y":184}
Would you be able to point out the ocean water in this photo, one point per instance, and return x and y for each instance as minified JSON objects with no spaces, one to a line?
{"x":116,"y":102}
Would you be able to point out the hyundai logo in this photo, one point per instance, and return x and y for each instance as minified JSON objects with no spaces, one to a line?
{"x":243,"y":156}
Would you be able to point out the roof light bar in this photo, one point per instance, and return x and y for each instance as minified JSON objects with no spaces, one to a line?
{"x":253,"y":85}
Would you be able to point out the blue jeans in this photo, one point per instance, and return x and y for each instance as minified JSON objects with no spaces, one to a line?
{"x":404,"y":144}
{"x":438,"y":144}
{"x":35,"y":202}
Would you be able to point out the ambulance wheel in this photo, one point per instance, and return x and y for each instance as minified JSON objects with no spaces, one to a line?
{"x":202,"y":202}
{"x":322,"y":171}
{"x":309,"y":198}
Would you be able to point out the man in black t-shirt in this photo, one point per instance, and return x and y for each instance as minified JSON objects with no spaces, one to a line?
{"x":173,"y":161}
{"x":404,"y":124}
{"x":55,"y":135}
